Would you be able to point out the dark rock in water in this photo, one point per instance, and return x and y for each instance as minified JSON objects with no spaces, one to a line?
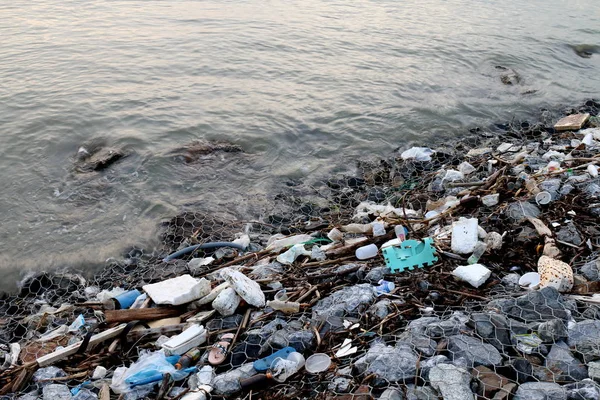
{"x":541,"y":391}
{"x":539,"y":305}
{"x":197,"y":149}
{"x":552,"y":331}
{"x":586,"y":50}
{"x":584,"y":338}
{"x":564,"y":366}
{"x":584,"y":390}
{"x":97,"y":159}
{"x":509,"y":76}
{"x":591,"y":270}
{"x":474,"y":350}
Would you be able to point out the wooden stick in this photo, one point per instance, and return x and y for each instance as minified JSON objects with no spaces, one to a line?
{"x":141,"y":314}
{"x":66,"y":378}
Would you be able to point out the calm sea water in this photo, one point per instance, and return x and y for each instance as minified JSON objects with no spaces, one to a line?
{"x":302,"y":86}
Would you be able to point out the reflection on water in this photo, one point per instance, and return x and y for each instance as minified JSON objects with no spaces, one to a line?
{"x":301,"y":85}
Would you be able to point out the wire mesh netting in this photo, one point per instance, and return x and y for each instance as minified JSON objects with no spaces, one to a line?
{"x":427,"y":336}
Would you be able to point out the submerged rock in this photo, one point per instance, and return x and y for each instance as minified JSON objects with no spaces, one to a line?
{"x":195,"y":150}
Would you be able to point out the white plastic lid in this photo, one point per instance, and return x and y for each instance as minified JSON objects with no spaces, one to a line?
{"x":318,"y":362}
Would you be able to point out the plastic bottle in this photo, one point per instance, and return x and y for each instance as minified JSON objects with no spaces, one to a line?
{"x":400,"y":232}
{"x":480,"y":248}
{"x":366,"y":252}
{"x":190,"y":357}
{"x":289,"y":307}
{"x":282,"y":369}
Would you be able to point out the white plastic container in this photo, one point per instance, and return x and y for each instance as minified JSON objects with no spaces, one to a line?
{"x":366,"y":252}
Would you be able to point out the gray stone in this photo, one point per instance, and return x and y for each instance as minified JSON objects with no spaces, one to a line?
{"x":85,"y":394}
{"x":594,"y":370}
{"x":566,"y":189}
{"x":301,"y":340}
{"x":425,"y":367}
{"x":540,"y":391}
{"x":455,"y":324}
{"x":229,"y":383}
{"x":569,"y":233}
{"x":392,"y":394}
{"x":349,"y":300}
{"x":522,"y":368}
{"x":496,"y":328}
{"x":511,"y":281}
{"x":380,"y":310}
{"x":452,"y":382}
{"x":421,"y":343}
{"x":520,"y":210}
{"x":538,"y":305}
{"x":584,"y":390}
{"x":420,"y":325}
{"x":392,"y":364}
{"x":553,"y":331}
{"x":474,"y":350}
{"x":564,"y":366}
{"x":584,"y":338}
{"x":420,"y":393}
{"x":56,"y":392}
{"x":591,"y":270}
{"x":340,"y":385}
{"x":377,"y":274}
{"x":551,"y":186}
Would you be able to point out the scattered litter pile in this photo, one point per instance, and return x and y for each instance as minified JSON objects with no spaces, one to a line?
{"x":456,"y":274}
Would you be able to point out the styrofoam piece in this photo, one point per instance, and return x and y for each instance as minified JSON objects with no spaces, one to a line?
{"x":475,"y":274}
{"x":226,"y":302}
{"x":335,"y":235}
{"x":213,"y":294}
{"x":464,"y":235}
{"x":530,"y":280}
{"x":592,"y":170}
{"x":245,"y":287}
{"x":192,"y":337}
{"x":99,"y":372}
{"x":180,"y":290}
{"x":465,"y":168}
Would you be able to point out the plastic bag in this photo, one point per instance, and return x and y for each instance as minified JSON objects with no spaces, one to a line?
{"x":149,"y":366}
{"x":290,"y":256}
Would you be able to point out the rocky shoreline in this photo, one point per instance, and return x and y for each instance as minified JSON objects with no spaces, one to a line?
{"x":467,"y":321}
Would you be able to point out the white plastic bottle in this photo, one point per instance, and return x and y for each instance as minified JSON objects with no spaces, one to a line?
{"x":366,"y":252}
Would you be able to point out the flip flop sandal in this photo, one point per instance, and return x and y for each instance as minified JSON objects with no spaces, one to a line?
{"x":218,"y":353}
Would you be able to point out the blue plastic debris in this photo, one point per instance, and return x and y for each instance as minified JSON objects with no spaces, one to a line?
{"x":410,"y":254}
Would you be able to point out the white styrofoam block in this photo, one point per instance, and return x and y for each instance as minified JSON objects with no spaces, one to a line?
{"x":464,"y":235}
{"x":475,"y":274}
{"x":176,"y":291}
{"x":226,"y":302}
{"x":192,"y":337}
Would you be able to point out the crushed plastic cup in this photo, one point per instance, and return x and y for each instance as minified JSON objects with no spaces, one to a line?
{"x":318,"y":362}
{"x":530,"y":280}
{"x":366,"y":252}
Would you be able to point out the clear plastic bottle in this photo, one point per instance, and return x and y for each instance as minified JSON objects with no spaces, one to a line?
{"x":480,"y":248}
{"x":400,"y":232}
{"x":366,"y":252}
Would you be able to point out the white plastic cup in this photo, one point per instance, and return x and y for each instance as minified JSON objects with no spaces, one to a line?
{"x":366,"y":252}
